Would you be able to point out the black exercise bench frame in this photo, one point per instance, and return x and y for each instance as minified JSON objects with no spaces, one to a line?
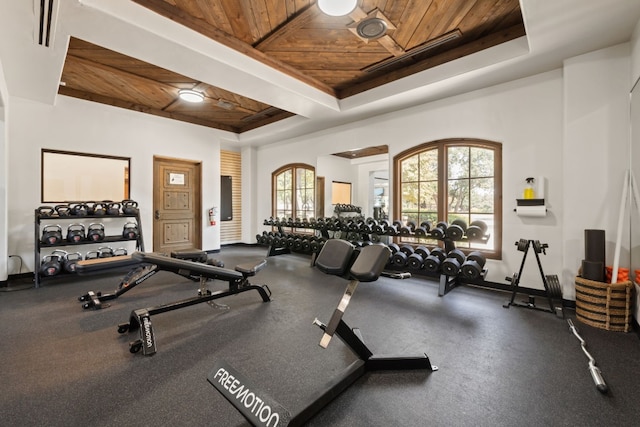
{"x":140,"y":272}
{"x":337,"y":257}
{"x":238,"y":279}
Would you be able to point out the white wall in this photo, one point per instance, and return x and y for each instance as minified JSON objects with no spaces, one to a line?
{"x":595,"y":151}
{"x":528,"y":117}
{"x":525,"y":116}
{"x":4,"y":173}
{"x":76,"y":125}
{"x":339,"y":169}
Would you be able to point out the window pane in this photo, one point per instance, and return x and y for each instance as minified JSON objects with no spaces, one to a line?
{"x":429,"y":165}
{"x":458,"y":193}
{"x":410,"y":196}
{"x":429,"y":196}
{"x":458,"y":162}
{"x":490,"y":221}
{"x":410,"y":169}
{"x":481,"y":162}
{"x":482,"y":193}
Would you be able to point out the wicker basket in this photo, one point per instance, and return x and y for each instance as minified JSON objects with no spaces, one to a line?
{"x":604,"y":305}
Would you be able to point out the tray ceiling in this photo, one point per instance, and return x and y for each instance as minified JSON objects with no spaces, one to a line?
{"x":340,"y":56}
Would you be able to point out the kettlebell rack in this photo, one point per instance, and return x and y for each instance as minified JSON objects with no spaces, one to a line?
{"x":84,"y":227}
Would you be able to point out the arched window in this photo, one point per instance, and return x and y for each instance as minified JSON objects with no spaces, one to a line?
{"x":294,"y":191}
{"x":451,"y":179}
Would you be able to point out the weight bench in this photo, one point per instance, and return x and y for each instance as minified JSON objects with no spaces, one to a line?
{"x":238,"y":280}
{"x":140,"y":272}
{"x":337,"y":257}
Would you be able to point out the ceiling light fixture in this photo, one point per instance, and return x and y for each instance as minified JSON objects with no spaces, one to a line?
{"x":190,"y":95}
{"x":337,"y":7}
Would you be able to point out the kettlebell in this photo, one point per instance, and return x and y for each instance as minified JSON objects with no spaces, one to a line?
{"x":79,"y":209}
{"x":62,"y":210}
{"x":120,"y":252}
{"x":95,"y":232}
{"x":130,"y":231}
{"x":113,"y":208}
{"x":75,"y":233}
{"x":45,"y":211}
{"x":105,"y":252}
{"x":129,"y":207}
{"x":51,"y":264}
{"x":71,"y":260}
{"x":98,"y":209}
{"x":91,"y":207}
{"x":92,"y":255}
{"x":51,"y":234}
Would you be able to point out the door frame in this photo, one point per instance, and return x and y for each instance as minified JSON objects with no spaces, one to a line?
{"x":197,"y":205}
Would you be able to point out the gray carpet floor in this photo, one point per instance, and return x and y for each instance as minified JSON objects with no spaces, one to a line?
{"x":65,"y":366}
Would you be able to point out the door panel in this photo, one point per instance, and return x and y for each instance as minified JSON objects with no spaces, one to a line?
{"x":176,"y":201}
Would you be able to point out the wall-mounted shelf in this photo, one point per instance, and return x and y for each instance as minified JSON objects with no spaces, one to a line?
{"x":531,"y":207}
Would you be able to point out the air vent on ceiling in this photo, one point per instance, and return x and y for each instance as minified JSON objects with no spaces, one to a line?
{"x":45,"y":13}
{"x":372,"y":28}
{"x":447,"y":37}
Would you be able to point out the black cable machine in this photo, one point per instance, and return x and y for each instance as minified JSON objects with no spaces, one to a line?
{"x":337,"y":257}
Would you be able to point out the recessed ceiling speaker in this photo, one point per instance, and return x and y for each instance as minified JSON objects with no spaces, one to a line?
{"x":372,"y":28}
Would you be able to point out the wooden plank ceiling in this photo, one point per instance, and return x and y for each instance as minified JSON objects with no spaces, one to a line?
{"x":332,"y":54}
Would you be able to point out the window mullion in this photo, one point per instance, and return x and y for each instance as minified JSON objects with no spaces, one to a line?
{"x":443,"y":183}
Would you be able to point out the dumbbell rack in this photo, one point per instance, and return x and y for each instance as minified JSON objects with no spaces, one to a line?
{"x":42,"y":219}
{"x":551,"y":284}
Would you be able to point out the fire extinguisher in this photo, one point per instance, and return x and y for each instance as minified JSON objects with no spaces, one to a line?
{"x":212,"y":216}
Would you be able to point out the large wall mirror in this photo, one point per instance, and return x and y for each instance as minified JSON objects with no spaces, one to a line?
{"x":67,"y":176}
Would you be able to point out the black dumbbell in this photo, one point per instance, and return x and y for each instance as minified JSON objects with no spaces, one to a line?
{"x":473,"y":265}
{"x":452,"y":264}
{"x":456,"y":230}
{"x":416,"y":259}
{"x":476,"y":230}
{"x":423,"y":229}
{"x":440,"y":230}
{"x":434,"y":260}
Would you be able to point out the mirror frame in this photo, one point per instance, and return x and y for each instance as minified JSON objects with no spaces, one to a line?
{"x":46,"y":166}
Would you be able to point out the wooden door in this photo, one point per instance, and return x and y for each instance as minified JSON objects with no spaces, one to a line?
{"x":176,"y":205}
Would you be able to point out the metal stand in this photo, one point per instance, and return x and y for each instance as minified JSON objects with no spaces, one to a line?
{"x":551,"y":283}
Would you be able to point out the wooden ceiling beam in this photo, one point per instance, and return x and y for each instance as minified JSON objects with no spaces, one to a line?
{"x":171,"y":12}
{"x":88,"y":96}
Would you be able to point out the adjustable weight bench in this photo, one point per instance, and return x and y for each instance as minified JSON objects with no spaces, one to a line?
{"x":337,"y":257}
{"x":140,"y":272}
{"x":238,"y":280}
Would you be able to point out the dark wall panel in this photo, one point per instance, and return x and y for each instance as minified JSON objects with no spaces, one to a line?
{"x":226,"y":198}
